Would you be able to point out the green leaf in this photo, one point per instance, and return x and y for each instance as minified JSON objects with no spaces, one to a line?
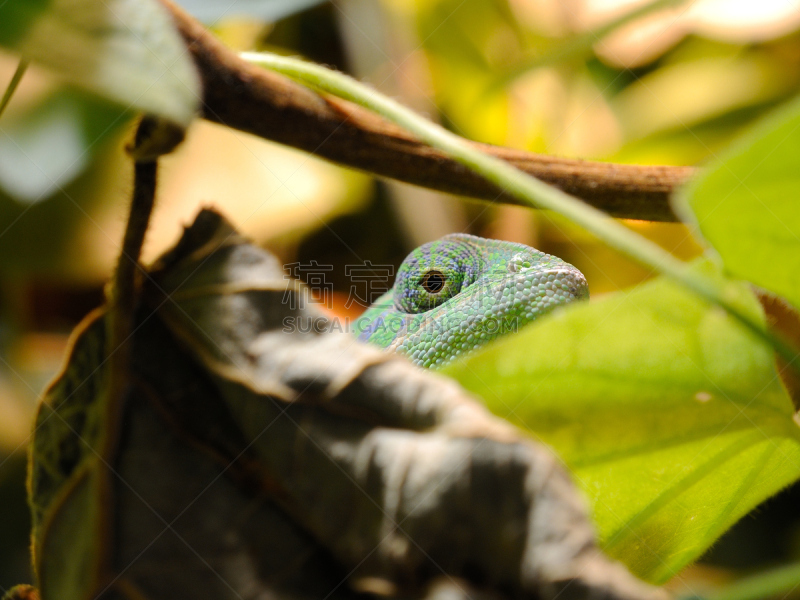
{"x":125,"y":50}
{"x":47,"y":147}
{"x":745,"y":204}
{"x":669,"y":413}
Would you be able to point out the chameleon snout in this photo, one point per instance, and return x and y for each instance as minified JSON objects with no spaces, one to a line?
{"x":572,"y":281}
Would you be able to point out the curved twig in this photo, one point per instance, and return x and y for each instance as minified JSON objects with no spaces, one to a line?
{"x":13,"y":84}
{"x":245,"y":97}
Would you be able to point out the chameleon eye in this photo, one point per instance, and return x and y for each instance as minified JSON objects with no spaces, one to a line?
{"x":433,"y":281}
{"x":433,"y":274}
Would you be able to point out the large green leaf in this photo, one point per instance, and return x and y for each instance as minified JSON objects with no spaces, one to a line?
{"x":125,"y":50}
{"x":669,"y":414}
{"x":746,"y":204}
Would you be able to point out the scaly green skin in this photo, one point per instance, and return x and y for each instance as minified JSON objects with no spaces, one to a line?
{"x":458,"y":293}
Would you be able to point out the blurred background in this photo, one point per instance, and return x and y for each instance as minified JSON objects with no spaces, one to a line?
{"x":615,"y":80}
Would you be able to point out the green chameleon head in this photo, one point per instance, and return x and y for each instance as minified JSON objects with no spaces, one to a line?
{"x":457,"y":293}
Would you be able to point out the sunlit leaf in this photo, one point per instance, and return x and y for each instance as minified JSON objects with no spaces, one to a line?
{"x":670,"y":415}
{"x":210,"y":11}
{"x":46,"y":148}
{"x":125,"y":50}
{"x":746,"y":204}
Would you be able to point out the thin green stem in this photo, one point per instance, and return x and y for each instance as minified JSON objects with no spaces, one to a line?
{"x":777,"y":582}
{"x":521,"y":185}
{"x":13,"y":84}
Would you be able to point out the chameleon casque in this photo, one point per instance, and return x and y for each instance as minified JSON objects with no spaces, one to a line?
{"x":462,"y":291}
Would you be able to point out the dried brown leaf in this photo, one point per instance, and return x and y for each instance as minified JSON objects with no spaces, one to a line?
{"x":256,"y":462}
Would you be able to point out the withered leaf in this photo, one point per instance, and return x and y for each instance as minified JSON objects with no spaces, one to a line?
{"x":253,"y":459}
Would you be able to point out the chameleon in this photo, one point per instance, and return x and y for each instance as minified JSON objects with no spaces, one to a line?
{"x":456,"y":294}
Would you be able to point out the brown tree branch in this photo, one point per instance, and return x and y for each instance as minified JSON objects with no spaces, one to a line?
{"x":242,"y":96}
